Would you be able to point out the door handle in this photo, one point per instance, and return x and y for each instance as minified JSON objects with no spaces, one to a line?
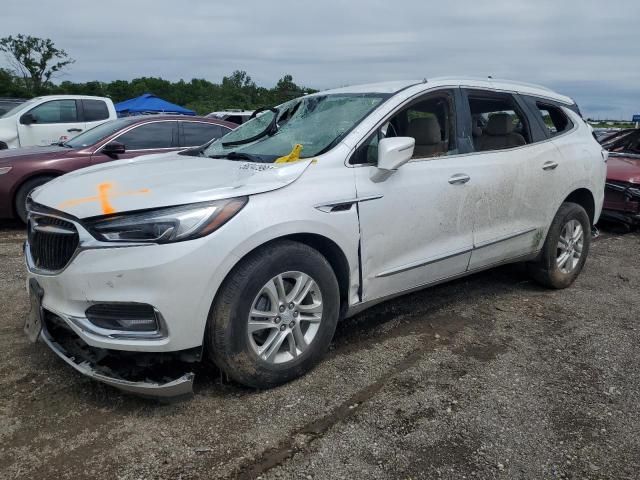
{"x":459,"y":179}
{"x":74,"y":130}
{"x":549,"y":165}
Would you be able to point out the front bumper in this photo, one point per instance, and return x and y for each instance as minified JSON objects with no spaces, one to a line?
{"x":622,"y":203}
{"x":145,"y":378}
{"x":177,"y":280}
{"x":182,"y":386}
{"x":628,"y":218}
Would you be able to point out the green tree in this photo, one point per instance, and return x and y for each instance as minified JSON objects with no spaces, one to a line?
{"x":34,"y":59}
{"x":286,"y":89}
{"x":10,"y":85}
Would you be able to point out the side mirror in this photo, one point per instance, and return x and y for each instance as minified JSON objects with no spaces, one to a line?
{"x":113,"y":149}
{"x":27,"y":119}
{"x":392,"y":154}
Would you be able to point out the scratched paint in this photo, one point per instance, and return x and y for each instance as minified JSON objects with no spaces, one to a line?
{"x":106,"y":192}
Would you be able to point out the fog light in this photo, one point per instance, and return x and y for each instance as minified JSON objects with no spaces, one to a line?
{"x":129,"y":317}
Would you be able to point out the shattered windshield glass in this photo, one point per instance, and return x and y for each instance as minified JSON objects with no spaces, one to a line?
{"x":301,"y":128}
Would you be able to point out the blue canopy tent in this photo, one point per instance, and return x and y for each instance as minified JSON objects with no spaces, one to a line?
{"x":149,"y":103}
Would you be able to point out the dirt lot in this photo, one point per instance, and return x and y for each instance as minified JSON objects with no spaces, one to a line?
{"x":487,"y":377}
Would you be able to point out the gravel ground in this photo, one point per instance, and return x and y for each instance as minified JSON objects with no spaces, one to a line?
{"x":487,"y":377}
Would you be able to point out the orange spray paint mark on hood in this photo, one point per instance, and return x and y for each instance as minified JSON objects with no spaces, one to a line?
{"x":105,"y":194}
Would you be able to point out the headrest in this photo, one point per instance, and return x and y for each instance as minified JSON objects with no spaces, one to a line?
{"x":499,"y":124}
{"x":425,"y":130}
{"x":476,"y":131}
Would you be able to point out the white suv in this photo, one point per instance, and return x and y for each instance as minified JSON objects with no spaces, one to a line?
{"x":249,"y":250}
{"x":234,"y":116}
{"x":51,"y":119}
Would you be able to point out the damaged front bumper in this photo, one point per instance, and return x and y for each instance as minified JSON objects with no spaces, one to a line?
{"x":182,"y":386}
{"x":622,"y":203}
{"x":127,"y":371}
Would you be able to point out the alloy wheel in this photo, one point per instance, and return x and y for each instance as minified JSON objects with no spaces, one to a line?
{"x":285,"y":317}
{"x":569,"y":249}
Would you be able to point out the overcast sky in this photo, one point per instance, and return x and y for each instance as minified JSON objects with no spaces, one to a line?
{"x":586,"y":49}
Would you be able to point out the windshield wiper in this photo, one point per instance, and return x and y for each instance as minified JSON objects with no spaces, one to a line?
{"x":238,"y":156}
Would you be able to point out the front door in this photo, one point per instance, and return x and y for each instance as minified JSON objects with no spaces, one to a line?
{"x":416,"y":226}
{"x":54,"y":121}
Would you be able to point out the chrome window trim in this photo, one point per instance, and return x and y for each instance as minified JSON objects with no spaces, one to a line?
{"x":447,"y":87}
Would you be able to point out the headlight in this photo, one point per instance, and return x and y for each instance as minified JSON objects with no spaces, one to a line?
{"x":166,"y":225}
{"x":4,"y":170}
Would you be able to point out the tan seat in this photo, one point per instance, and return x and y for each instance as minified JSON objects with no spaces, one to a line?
{"x":426,"y":132}
{"x":499,"y":134}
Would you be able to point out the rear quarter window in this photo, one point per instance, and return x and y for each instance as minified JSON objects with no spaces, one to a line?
{"x":554,"y":119}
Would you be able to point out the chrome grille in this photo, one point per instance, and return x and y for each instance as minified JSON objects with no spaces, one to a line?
{"x":52,"y":241}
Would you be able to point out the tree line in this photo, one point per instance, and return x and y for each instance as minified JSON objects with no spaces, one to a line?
{"x":33,"y":63}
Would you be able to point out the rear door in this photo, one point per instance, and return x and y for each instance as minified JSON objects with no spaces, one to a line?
{"x":54,"y":120}
{"x":509,"y":211}
{"x":194,"y":134}
{"x":553,"y":172}
{"x":144,"y":139}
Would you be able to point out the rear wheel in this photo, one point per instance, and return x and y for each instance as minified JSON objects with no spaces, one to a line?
{"x":566,"y":248}
{"x":23,"y":193}
{"x":275,"y":315}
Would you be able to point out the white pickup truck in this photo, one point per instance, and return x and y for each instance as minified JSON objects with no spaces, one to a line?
{"x":53,"y":118}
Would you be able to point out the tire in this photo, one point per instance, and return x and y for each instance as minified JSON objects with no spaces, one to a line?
{"x":24,"y":191}
{"x":252,"y":288}
{"x":3,"y":146}
{"x":550,"y":270}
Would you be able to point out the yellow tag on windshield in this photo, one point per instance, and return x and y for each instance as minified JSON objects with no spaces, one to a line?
{"x":294,"y":156}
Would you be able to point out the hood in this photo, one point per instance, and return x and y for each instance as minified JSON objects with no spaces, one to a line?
{"x":8,"y":130}
{"x":163,"y":180}
{"x":623,"y":169}
{"x":16,"y":153}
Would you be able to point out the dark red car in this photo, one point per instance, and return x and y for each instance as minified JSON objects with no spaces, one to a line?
{"x":622,"y":191}
{"x":24,"y":169}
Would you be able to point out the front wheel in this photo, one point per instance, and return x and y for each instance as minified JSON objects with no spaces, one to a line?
{"x":566,"y":248}
{"x":23,"y":193}
{"x":274,"y":316}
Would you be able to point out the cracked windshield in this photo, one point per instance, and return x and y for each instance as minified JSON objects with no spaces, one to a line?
{"x":301,"y":128}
